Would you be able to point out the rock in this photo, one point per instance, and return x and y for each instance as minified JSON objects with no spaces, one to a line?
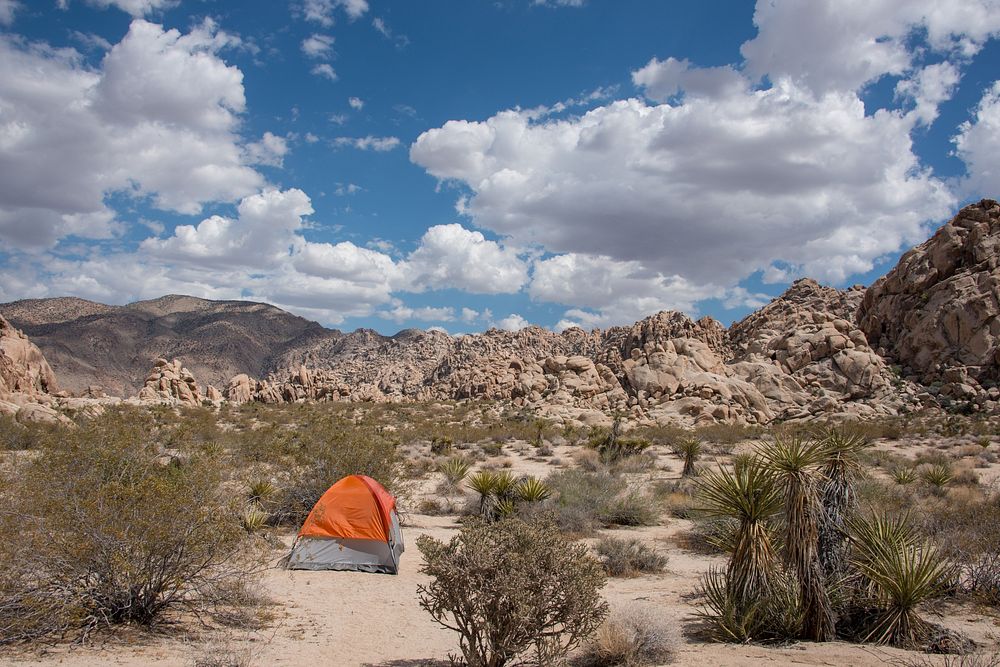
{"x":938,"y":308}
{"x":171,"y":383}
{"x":23,"y":369}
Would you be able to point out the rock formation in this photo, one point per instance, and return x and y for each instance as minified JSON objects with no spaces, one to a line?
{"x":26,"y":380}
{"x":169,"y":382}
{"x":936,"y":313}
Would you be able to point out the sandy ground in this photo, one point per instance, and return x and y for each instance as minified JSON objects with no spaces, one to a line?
{"x":345,"y":619}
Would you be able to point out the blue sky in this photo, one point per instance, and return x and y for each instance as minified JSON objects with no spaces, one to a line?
{"x":465,"y":164}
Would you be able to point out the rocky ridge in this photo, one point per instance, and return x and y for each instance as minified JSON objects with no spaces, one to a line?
{"x":926,"y":334}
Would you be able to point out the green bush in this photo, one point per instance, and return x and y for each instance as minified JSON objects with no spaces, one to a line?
{"x":583,"y":501}
{"x":512,"y":590}
{"x":97,"y":531}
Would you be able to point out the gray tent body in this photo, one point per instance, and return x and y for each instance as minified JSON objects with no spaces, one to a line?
{"x":335,"y":553}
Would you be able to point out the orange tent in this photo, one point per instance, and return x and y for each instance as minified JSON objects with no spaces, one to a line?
{"x":353,"y":526}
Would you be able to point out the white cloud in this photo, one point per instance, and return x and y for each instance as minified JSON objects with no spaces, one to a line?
{"x":325,"y":70}
{"x":158,"y":119}
{"x":8,"y":8}
{"x":317,"y":46}
{"x":838,"y":45}
{"x":559,"y":3}
{"x":136,"y":8}
{"x":452,"y":256}
{"x":664,"y":79}
{"x":260,"y":237}
{"x":381,"y":27}
{"x":469,"y":315}
{"x":928,"y":88}
{"x":356,"y":103}
{"x":978,"y":145}
{"x":346,"y":189}
{"x":270,"y":150}
{"x":512,"y":322}
{"x":425,"y":314}
{"x":321,"y":11}
{"x":711,"y":190}
{"x":378,"y":144}
{"x":311,"y":138}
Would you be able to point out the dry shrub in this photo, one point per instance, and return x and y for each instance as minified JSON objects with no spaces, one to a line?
{"x":540,"y":604}
{"x":96,"y":532}
{"x":17,"y":436}
{"x":630,"y":637}
{"x":583,"y":501}
{"x":628,"y":557}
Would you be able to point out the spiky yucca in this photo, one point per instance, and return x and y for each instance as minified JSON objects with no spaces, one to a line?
{"x":532,"y":490}
{"x":484,"y":483}
{"x":938,"y":476}
{"x":903,"y":475}
{"x":455,"y":470}
{"x":750,"y":496}
{"x":796,"y":464}
{"x":898,"y":572}
{"x":843,"y":448}
{"x":689,"y":449}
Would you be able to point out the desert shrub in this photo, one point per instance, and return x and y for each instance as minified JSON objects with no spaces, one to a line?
{"x":512,"y":590}
{"x":629,"y":637}
{"x":96,"y":532}
{"x":938,"y":476}
{"x":583,"y":501}
{"x":17,"y":436}
{"x":628,"y":557}
{"x":325,"y":448}
{"x":730,"y":617}
{"x":967,"y":529}
{"x":441,"y":445}
{"x":588,"y":460}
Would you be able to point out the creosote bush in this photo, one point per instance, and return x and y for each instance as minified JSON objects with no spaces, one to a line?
{"x":513,"y":591}
{"x":97,"y":532}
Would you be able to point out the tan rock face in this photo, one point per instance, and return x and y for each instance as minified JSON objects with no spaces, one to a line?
{"x":936,"y":313}
{"x":170,"y":382}
{"x":23,"y":369}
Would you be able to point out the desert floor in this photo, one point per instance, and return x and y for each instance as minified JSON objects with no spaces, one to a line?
{"x":341,"y":618}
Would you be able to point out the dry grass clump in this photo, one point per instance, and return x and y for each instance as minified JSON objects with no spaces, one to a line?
{"x":584,"y":501}
{"x":629,"y":637}
{"x":628,"y":557}
{"x":96,"y":532}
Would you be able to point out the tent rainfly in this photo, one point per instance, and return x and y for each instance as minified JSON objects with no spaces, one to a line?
{"x":353,"y":526}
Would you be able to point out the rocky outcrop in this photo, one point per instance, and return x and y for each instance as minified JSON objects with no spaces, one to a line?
{"x":169,"y":382}
{"x":23,"y":368}
{"x":806,"y":355}
{"x":936,"y":313}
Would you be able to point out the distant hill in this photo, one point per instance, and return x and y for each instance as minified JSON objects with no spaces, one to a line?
{"x":90,"y":343}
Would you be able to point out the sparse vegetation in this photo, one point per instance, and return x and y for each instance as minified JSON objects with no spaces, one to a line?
{"x":628,"y":557}
{"x":629,"y":637}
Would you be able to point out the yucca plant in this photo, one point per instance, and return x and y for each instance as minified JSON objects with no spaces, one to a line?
{"x":504,"y":485}
{"x":532,"y":490}
{"x":749,"y":496}
{"x":689,"y":449}
{"x":484,"y":483}
{"x":938,"y":476}
{"x":899,"y":572}
{"x":796,"y":463}
{"x":254,"y":518}
{"x":260,"y":490}
{"x":455,"y":470}
{"x":842,"y":450}
{"x":903,"y":475}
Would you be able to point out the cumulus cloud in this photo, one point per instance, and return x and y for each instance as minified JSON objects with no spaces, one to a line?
{"x":325,"y":70}
{"x":928,"y":88}
{"x":712,"y":190}
{"x":452,"y":256}
{"x":158,"y":119}
{"x":831,"y":45}
{"x":512,"y":322}
{"x":370,"y":142}
{"x":978,"y":145}
{"x":270,"y":150}
{"x":136,"y":8}
{"x":356,"y":103}
{"x":317,"y":46}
